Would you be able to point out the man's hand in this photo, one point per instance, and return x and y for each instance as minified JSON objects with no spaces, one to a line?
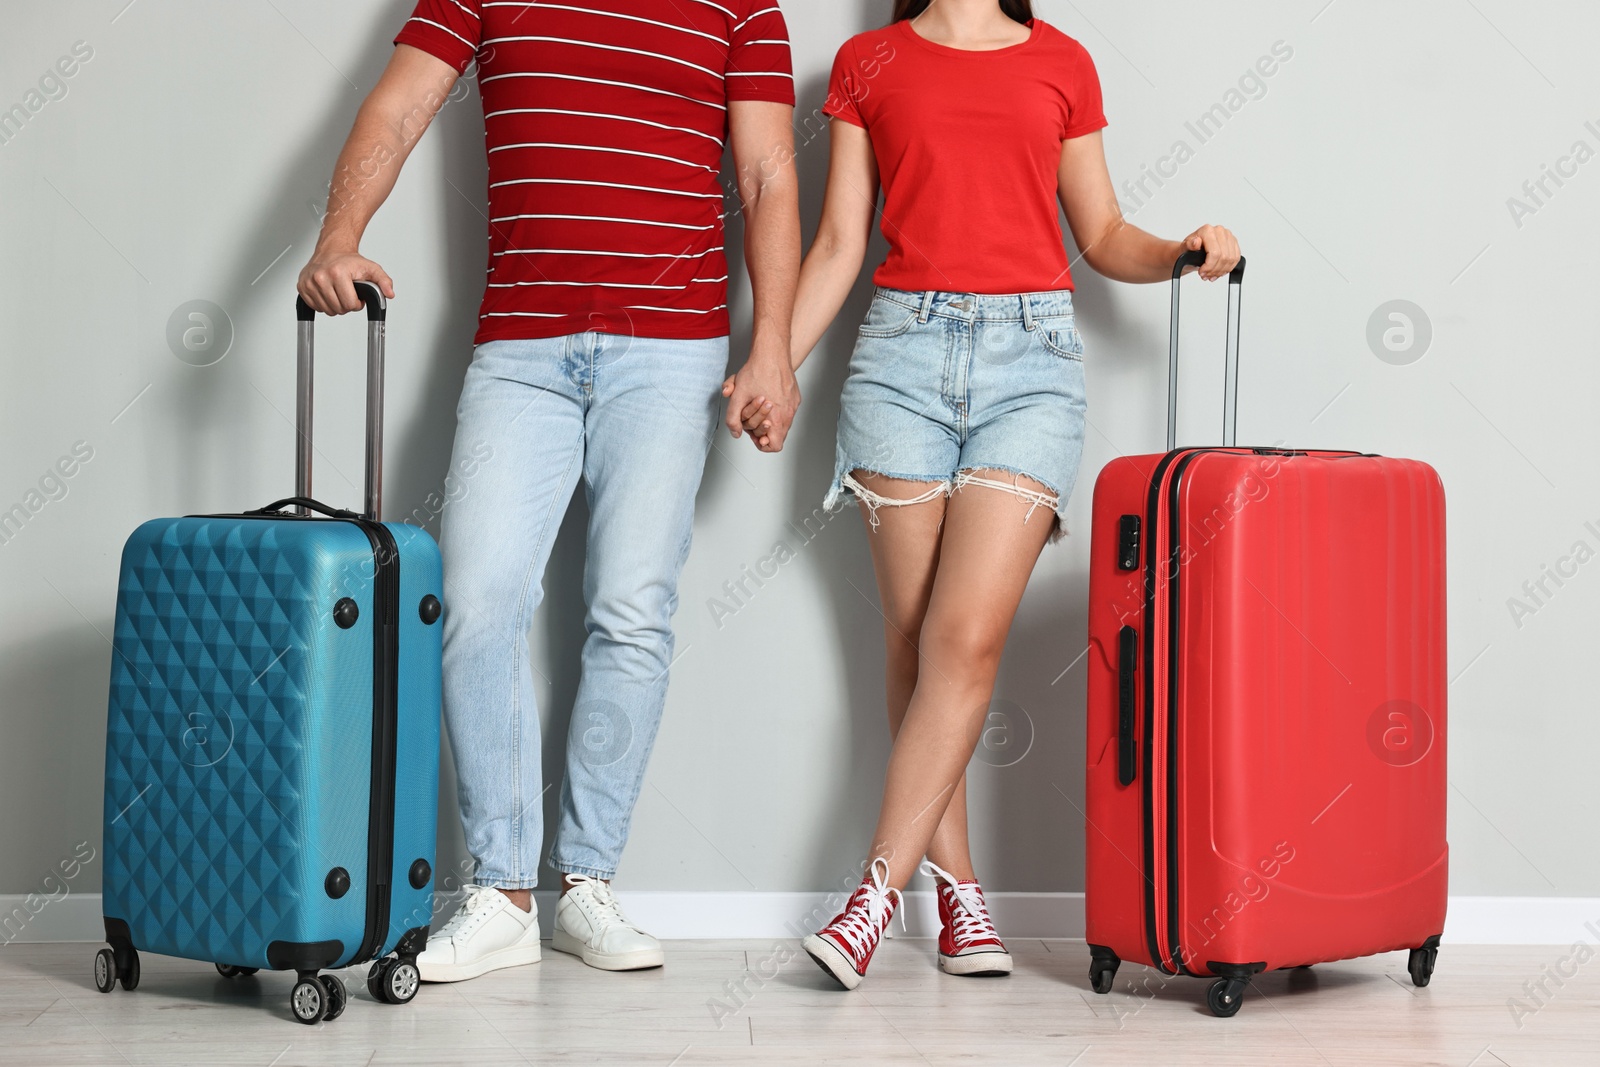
{"x":328,"y":282}
{"x":763,"y":397}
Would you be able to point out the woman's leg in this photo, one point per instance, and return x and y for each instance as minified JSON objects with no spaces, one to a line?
{"x":905,"y":557}
{"x":981,"y":561}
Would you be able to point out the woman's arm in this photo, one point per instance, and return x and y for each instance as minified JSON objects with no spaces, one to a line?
{"x":1114,"y":247}
{"x":834,"y":261}
{"x":831,"y":266}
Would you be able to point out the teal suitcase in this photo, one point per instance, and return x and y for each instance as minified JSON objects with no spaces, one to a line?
{"x":272,"y":739}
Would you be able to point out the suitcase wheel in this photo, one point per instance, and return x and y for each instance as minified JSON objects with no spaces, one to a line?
{"x":228,"y":970}
{"x":1103,"y":964}
{"x":1422,"y":961}
{"x":393,"y":981}
{"x":337,"y":996}
{"x":308,"y":1000}
{"x":1225,"y":996}
{"x":108,"y":970}
{"x":105,"y":970}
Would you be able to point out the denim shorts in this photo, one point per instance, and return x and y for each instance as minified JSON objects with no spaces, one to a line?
{"x":957,"y":389}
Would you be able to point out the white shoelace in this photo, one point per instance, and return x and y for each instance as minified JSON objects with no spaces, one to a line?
{"x":863,"y":923}
{"x":606,"y":912}
{"x":971,"y":919}
{"x":474,"y":911}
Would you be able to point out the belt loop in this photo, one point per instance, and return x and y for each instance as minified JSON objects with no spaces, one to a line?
{"x":1027,"y":312}
{"x":927,"y":307}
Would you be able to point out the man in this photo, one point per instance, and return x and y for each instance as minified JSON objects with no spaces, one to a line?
{"x":601,"y":350}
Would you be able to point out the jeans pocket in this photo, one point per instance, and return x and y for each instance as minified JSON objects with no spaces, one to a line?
{"x":887,"y":318}
{"x":1060,"y":337}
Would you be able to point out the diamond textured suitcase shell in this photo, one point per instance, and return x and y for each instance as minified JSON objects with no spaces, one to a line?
{"x":239,"y":752}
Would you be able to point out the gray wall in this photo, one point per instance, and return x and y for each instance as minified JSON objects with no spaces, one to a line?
{"x":188,"y":159}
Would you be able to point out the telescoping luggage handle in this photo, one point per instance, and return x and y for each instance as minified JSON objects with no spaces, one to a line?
{"x":1230,"y":389}
{"x":377,"y":313}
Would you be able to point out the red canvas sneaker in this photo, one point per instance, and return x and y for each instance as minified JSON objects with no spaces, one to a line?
{"x":845,"y":946}
{"x":968,"y":944}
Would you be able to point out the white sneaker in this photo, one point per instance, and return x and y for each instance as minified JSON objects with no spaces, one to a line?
{"x":591,"y":926}
{"x":488,"y":933}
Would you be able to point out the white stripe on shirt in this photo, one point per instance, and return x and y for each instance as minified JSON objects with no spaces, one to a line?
{"x":605,"y":48}
{"x":608,"y":14}
{"x":680,"y":311}
{"x":755,"y":15}
{"x":603,"y":81}
{"x":600,"y":115}
{"x":608,"y":185}
{"x":604,"y":218}
{"x":446,"y":29}
{"x":600,"y":148}
{"x":597,"y":252}
{"x":594,"y":285}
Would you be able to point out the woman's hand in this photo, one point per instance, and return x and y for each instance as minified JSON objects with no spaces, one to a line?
{"x":1221,"y":248}
{"x":756,"y":417}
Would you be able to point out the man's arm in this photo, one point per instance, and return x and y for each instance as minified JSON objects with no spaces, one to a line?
{"x":761,"y":135}
{"x":392,"y":119}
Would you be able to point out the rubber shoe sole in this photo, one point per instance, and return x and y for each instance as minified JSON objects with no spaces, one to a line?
{"x":515,"y":956}
{"x":638,"y":960}
{"x":833,"y":962}
{"x":977,"y":964}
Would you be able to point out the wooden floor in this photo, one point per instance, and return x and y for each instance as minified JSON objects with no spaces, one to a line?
{"x":692,"y":1012}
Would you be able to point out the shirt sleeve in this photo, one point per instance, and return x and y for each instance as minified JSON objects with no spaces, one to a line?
{"x":759,"y":64}
{"x":450,"y":30}
{"x":845,"y":87}
{"x":1085,"y":106}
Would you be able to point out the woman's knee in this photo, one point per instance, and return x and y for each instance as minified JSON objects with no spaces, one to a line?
{"x":963,"y":647}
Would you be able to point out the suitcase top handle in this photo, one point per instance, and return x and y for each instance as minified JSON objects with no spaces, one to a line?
{"x":377,"y":315}
{"x":1230,"y":388}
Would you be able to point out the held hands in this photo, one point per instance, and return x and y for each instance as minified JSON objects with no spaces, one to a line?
{"x":1221,"y":248}
{"x":763,"y":397}
{"x":328,"y":281}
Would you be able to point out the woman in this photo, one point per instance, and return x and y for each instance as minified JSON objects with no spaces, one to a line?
{"x":962,"y":419}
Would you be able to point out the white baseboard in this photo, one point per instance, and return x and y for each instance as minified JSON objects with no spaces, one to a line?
{"x":36,"y":919}
{"x":1472,"y":920}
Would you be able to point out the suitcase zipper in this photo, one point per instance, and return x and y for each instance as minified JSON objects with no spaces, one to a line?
{"x":385,"y":715}
{"x":1152,"y":526}
{"x":1174,"y":571}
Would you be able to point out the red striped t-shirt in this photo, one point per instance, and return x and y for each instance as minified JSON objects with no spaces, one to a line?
{"x":606,"y":121}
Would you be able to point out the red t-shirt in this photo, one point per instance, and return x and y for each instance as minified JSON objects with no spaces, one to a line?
{"x":969,"y":148}
{"x":606,"y":124}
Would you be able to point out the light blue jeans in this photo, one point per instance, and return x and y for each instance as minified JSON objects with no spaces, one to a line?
{"x":634,"y":417}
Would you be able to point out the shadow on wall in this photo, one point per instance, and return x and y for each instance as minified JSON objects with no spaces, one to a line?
{"x":418,"y":442}
{"x":55,"y":696}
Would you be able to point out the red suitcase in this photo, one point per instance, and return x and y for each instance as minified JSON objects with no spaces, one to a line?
{"x":1266,"y":716}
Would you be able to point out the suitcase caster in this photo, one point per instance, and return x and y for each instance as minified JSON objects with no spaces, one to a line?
{"x":119,"y":963}
{"x":317,"y":998}
{"x":1225,"y":996}
{"x":105,"y":971}
{"x":308,"y":1000}
{"x":393,"y":981}
{"x":1103,"y":964}
{"x":227,"y":970}
{"x":1422,"y":961}
{"x":338,"y":997}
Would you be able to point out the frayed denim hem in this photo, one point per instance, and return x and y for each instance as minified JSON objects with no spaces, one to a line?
{"x":845,"y":483}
